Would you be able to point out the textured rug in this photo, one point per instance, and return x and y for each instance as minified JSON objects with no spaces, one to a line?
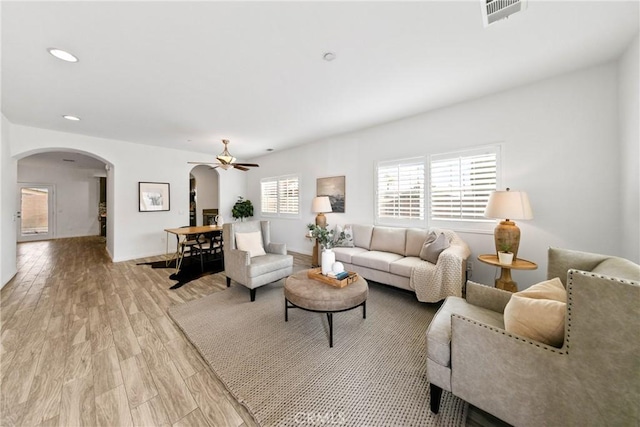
{"x":286,"y":374}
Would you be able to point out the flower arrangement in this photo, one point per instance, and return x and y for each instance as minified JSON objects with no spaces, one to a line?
{"x":326,"y":237}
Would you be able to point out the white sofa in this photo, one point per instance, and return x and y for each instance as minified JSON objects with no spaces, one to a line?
{"x":391,"y":256}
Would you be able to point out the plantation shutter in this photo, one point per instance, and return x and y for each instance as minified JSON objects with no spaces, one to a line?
{"x":280,"y":196}
{"x":269,"y":196}
{"x":461,"y":183}
{"x":400,"y":190}
{"x":288,"y":199}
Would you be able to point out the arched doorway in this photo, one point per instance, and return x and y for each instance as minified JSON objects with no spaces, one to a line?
{"x":204,"y":193}
{"x":62,"y":194}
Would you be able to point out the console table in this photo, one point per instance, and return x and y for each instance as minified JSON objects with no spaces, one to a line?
{"x":505,"y":281}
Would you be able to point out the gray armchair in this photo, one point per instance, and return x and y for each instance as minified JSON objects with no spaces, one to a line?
{"x":593,"y":379}
{"x":253,"y":272}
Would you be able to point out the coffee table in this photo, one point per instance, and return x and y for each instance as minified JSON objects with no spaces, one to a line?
{"x":312,"y":295}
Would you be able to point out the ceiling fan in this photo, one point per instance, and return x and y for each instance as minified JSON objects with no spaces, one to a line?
{"x":227,"y":161}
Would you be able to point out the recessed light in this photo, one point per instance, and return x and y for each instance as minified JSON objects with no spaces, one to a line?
{"x":329,"y":56}
{"x":62,"y":54}
{"x":68,"y":160}
{"x":72,"y":118}
{"x":269,"y":149}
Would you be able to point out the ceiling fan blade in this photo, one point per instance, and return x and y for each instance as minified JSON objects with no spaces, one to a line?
{"x":201,"y":163}
{"x":250,"y":165}
{"x":242,"y":168}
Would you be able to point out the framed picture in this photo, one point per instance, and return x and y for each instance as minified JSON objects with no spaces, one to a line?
{"x":334,"y":187}
{"x":153,"y":196}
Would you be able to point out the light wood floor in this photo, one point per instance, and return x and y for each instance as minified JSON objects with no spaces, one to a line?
{"x":85,"y":341}
{"x":88,"y":342}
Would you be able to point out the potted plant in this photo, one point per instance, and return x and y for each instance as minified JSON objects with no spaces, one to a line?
{"x":242,"y":209}
{"x":328,"y":240}
{"x":505,"y":256}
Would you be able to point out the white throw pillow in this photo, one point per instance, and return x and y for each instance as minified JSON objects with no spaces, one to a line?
{"x":348,"y":241}
{"x":538,"y":312}
{"x":250,"y":242}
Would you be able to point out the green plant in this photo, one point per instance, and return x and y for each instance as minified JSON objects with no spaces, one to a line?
{"x":242,"y":209}
{"x":504,"y":247}
{"x":326,"y":237}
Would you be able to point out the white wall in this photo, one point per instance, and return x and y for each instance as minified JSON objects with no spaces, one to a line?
{"x":558,"y":143}
{"x":76,"y":197}
{"x":131,"y":234}
{"x":629,"y":114}
{"x":8,"y":202}
{"x":206,"y":189}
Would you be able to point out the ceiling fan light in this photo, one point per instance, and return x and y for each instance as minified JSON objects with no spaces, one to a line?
{"x":226,"y":159}
{"x":226,"y":167}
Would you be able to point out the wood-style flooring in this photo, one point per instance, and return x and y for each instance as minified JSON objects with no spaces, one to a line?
{"x":88,"y":342}
{"x":85,"y":341}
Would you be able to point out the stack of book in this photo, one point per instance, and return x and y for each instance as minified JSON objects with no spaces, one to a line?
{"x":339,"y":276}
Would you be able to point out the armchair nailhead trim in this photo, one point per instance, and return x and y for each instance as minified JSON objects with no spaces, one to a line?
{"x":517,"y":338}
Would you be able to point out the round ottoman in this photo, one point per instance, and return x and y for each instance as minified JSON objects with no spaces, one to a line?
{"x":312,"y":295}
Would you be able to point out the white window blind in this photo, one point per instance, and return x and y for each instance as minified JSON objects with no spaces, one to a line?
{"x":400,"y":190}
{"x":461,"y":183}
{"x":288,"y":199}
{"x":280,"y":196}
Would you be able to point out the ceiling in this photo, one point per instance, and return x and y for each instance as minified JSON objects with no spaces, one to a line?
{"x":187,"y":74}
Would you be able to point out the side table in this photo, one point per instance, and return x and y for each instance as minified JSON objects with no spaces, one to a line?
{"x":505,"y":281}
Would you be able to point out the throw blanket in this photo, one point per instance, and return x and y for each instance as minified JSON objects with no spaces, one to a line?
{"x":433,"y":283}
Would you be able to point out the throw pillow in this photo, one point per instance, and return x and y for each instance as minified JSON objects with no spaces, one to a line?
{"x":433,"y":247}
{"x":538,"y":313}
{"x":250,"y":242}
{"x":348,"y":234}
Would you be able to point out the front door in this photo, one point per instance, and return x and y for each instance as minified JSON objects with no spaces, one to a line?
{"x":35,"y":221}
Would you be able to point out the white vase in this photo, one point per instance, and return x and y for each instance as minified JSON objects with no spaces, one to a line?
{"x":328,"y":258}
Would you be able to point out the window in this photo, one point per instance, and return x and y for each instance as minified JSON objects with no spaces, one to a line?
{"x":280,"y":196}
{"x":400,"y":191}
{"x":461,"y":183}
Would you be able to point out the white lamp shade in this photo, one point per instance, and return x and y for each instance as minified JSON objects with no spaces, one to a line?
{"x":508,"y":205}
{"x":321,"y":204}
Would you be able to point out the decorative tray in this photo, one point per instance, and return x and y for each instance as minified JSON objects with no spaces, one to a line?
{"x":316,"y":274}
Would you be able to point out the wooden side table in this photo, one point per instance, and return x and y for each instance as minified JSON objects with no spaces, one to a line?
{"x":505,"y":281}
{"x":314,"y":257}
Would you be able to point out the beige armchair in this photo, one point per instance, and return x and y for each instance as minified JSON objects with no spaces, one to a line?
{"x":256,"y":271}
{"x":593,"y":379}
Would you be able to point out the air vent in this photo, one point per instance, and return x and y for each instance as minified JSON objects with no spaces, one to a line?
{"x":495,"y":10}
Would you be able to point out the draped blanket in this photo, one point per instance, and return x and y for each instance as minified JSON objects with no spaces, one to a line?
{"x":435,"y":282}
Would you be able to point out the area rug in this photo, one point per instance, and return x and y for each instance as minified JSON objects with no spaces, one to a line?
{"x":189,"y":271}
{"x":286,"y":374}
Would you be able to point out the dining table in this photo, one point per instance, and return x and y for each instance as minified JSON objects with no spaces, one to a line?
{"x":181,"y":233}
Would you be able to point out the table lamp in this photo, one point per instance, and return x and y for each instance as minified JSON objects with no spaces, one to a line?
{"x":321,"y":205}
{"x":508,"y":205}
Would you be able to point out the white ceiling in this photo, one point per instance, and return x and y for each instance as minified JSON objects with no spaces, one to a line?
{"x":163,"y":73}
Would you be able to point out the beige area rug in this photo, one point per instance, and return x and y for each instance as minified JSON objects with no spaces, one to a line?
{"x":286,"y":374}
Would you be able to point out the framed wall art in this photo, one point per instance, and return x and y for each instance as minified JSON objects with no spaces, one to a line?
{"x":153,"y":196}
{"x":333,"y":187}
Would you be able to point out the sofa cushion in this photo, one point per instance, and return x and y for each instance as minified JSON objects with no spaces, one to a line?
{"x":362,"y":235}
{"x":389,"y":239}
{"x":415,"y":240}
{"x":439,"y":332}
{"x":250,"y":242}
{"x":403,"y":266}
{"x":375,"y":259}
{"x":618,"y":267}
{"x":345,"y":254}
{"x":538,"y":312}
{"x":431,"y":249}
{"x":348,"y":234}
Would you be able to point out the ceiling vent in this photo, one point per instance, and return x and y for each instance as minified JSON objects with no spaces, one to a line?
{"x":495,"y":10}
